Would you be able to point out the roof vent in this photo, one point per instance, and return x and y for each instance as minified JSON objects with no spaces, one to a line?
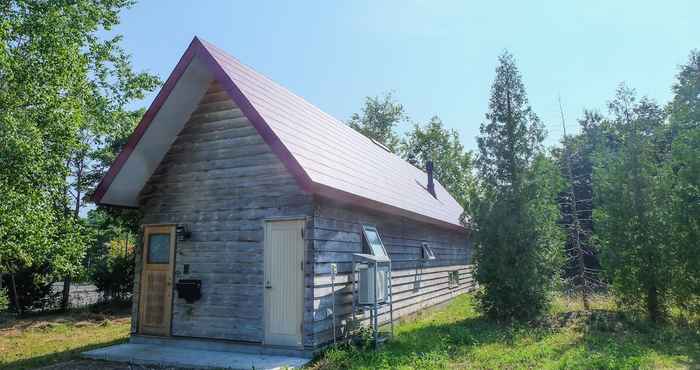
{"x":431,"y":182}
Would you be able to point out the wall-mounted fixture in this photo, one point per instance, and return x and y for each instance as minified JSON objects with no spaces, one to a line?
{"x":189,"y":289}
{"x":453,"y":279}
{"x":183,"y":232}
{"x":427,"y":252}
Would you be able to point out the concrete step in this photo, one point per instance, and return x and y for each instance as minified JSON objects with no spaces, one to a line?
{"x":165,"y":355}
{"x":222,"y":345}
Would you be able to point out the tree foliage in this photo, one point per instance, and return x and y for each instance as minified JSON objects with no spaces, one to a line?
{"x":640,"y":164}
{"x":518,"y":244}
{"x":4,"y":299}
{"x":684,"y":169}
{"x":631,"y":218}
{"x":113,"y":253}
{"x":63,"y":92}
{"x":452,"y":164}
{"x":512,"y":134}
{"x":378,"y":120}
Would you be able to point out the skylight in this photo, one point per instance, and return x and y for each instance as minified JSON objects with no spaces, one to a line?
{"x":374,"y":242}
{"x":428,"y":253}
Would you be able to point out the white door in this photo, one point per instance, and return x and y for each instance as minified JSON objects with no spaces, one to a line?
{"x":284,"y":282}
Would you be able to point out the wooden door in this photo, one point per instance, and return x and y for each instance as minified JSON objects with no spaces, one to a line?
{"x":284,"y":282}
{"x":155,"y":301}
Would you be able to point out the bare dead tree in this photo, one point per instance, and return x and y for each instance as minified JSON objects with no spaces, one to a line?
{"x":584,"y":279}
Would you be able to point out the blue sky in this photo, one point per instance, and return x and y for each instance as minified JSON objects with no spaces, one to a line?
{"x":437,"y":56}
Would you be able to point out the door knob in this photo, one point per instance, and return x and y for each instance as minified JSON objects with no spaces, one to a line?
{"x":268,"y":285}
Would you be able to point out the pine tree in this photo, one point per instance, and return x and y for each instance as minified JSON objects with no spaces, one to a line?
{"x":518,"y":244}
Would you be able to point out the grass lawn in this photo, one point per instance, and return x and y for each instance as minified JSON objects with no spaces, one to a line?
{"x":453,"y":337}
{"x":43,"y":340}
{"x":458,"y":337}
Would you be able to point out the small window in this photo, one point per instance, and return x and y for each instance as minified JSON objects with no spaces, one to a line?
{"x":428,"y":253}
{"x":453,"y":279}
{"x":374,"y":242}
{"x":158,"y":248}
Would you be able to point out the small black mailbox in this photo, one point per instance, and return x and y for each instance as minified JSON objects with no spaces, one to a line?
{"x":189,"y":289}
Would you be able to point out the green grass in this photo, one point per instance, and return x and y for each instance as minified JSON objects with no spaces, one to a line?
{"x":453,"y":337}
{"x":43,"y":340}
{"x":459,"y":337}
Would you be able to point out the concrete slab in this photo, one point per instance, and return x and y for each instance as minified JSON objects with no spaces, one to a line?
{"x":168,"y":355}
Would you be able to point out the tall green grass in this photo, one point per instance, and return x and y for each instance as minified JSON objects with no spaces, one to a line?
{"x":457,"y":336}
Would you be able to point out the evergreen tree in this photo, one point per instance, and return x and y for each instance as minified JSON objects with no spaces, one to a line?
{"x":684,"y":120}
{"x":518,"y":244}
{"x":378,"y":121}
{"x":632,"y":214}
{"x":452,"y":164}
{"x":684,"y":109}
{"x":512,"y":133}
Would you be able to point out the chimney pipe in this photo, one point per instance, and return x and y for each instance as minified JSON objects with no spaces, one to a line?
{"x":431,"y":183}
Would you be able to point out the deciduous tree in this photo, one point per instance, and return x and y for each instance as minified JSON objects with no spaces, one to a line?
{"x":452,"y":164}
{"x":378,"y":120}
{"x":59,"y":82}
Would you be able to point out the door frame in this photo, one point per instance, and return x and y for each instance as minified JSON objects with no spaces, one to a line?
{"x":301,"y":220}
{"x":157,"y":229}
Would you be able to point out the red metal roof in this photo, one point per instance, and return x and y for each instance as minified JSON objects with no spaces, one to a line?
{"x":325,"y":155}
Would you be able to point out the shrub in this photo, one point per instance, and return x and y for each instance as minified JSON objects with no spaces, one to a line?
{"x":33,"y":287}
{"x":4,"y":300}
{"x":113,"y":274}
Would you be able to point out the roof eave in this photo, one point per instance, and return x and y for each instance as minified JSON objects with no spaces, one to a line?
{"x":356,"y":200}
{"x":146,"y":120}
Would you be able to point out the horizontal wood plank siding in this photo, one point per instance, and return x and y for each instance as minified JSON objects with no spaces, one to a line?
{"x":223,"y":180}
{"x":417,"y":284}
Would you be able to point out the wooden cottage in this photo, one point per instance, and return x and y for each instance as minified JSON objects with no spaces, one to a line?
{"x":250,"y":195}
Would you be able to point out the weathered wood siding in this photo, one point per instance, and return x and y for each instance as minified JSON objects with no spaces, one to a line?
{"x":417,"y":284}
{"x":222,"y":179}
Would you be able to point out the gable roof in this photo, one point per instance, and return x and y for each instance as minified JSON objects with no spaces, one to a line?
{"x":326,"y":156}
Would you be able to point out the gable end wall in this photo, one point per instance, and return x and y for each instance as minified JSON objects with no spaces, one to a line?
{"x":223,"y":180}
